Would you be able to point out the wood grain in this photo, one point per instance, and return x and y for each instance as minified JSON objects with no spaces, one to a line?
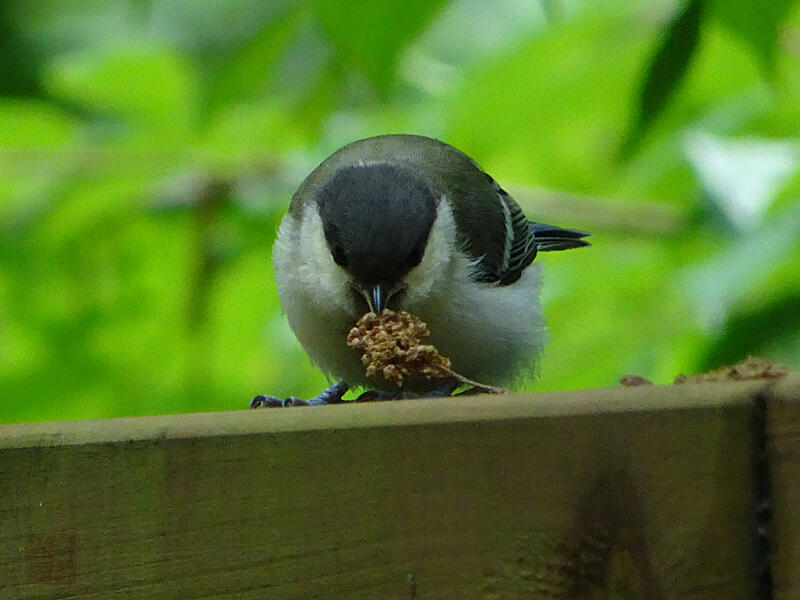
{"x":624,"y":493}
{"x":784,"y":447}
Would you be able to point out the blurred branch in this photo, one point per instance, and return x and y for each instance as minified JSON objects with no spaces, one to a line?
{"x":637,"y":216}
{"x":99,"y":161}
{"x":593,"y":212}
{"x":208,"y":203}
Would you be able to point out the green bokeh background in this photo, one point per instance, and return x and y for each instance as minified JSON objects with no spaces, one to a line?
{"x":148,"y":150}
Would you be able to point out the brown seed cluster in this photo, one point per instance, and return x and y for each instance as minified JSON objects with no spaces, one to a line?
{"x":390,"y":346}
{"x":752,"y":367}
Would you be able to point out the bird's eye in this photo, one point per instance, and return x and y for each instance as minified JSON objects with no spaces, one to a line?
{"x":415,"y":257}
{"x":339,"y":257}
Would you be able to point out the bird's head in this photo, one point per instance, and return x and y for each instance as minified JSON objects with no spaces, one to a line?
{"x":377,"y":221}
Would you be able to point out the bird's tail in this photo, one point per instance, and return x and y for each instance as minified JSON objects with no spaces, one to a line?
{"x":550,"y":237}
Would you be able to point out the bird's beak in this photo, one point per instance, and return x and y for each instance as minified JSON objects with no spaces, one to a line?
{"x":377,"y":296}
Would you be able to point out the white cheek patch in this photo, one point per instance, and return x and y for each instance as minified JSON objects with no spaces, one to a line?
{"x":315,"y":294}
{"x":317,"y":267}
{"x":305,"y":260}
{"x":437,"y":261}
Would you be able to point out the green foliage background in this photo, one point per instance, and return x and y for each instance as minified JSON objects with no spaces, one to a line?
{"x":148,"y":150}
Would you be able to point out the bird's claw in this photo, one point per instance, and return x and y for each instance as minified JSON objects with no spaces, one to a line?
{"x":263,"y":401}
{"x":332,"y":395}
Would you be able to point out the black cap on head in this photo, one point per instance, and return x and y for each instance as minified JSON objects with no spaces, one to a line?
{"x":377,"y":219}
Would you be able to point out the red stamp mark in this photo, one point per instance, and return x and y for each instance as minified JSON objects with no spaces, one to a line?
{"x":51,"y":558}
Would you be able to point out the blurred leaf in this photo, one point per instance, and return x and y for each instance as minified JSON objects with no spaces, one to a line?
{"x":35,"y":142}
{"x":250,"y":70}
{"x":758,"y":332}
{"x":248,"y":131}
{"x":718,"y":284}
{"x":756,"y":23}
{"x":742,"y":176}
{"x":551,"y":112}
{"x":211,"y":30}
{"x":723,"y":93}
{"x":28,"y":124}
{"x":372,"y":34}
{"x":20,"y":59}
{"x":666,"y":71}
{"x":88,"y":206}
{"x":153,"y":86}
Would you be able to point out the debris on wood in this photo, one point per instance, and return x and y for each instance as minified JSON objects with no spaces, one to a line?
{"x":634,"y":380}
{"x":752,"y":367}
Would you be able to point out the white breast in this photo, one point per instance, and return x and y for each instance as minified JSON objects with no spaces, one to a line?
{"x":491,"y":333}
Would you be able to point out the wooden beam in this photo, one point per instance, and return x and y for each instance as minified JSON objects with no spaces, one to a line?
{"x":628,"y":492}
{"x":783,"y":427}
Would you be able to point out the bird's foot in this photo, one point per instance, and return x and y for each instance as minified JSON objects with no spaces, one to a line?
{"x":332,"y":395}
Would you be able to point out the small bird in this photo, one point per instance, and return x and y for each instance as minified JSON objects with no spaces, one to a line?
{"x":410,"y":223}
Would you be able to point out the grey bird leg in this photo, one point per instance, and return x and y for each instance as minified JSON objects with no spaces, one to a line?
{"x":332,"y":395}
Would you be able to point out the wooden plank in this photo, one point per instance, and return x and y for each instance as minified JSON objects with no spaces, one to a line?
{"x":784,"y":456}
{"x":631,"y":493}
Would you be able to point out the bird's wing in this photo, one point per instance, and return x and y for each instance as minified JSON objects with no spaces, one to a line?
{"x":507,"y":241}
{"x":494,"y":232}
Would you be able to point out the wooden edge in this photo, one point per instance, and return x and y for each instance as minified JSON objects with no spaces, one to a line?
{"x":787,"y":389}
{"x":386,"y":414}
{"x":780,"y":522}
